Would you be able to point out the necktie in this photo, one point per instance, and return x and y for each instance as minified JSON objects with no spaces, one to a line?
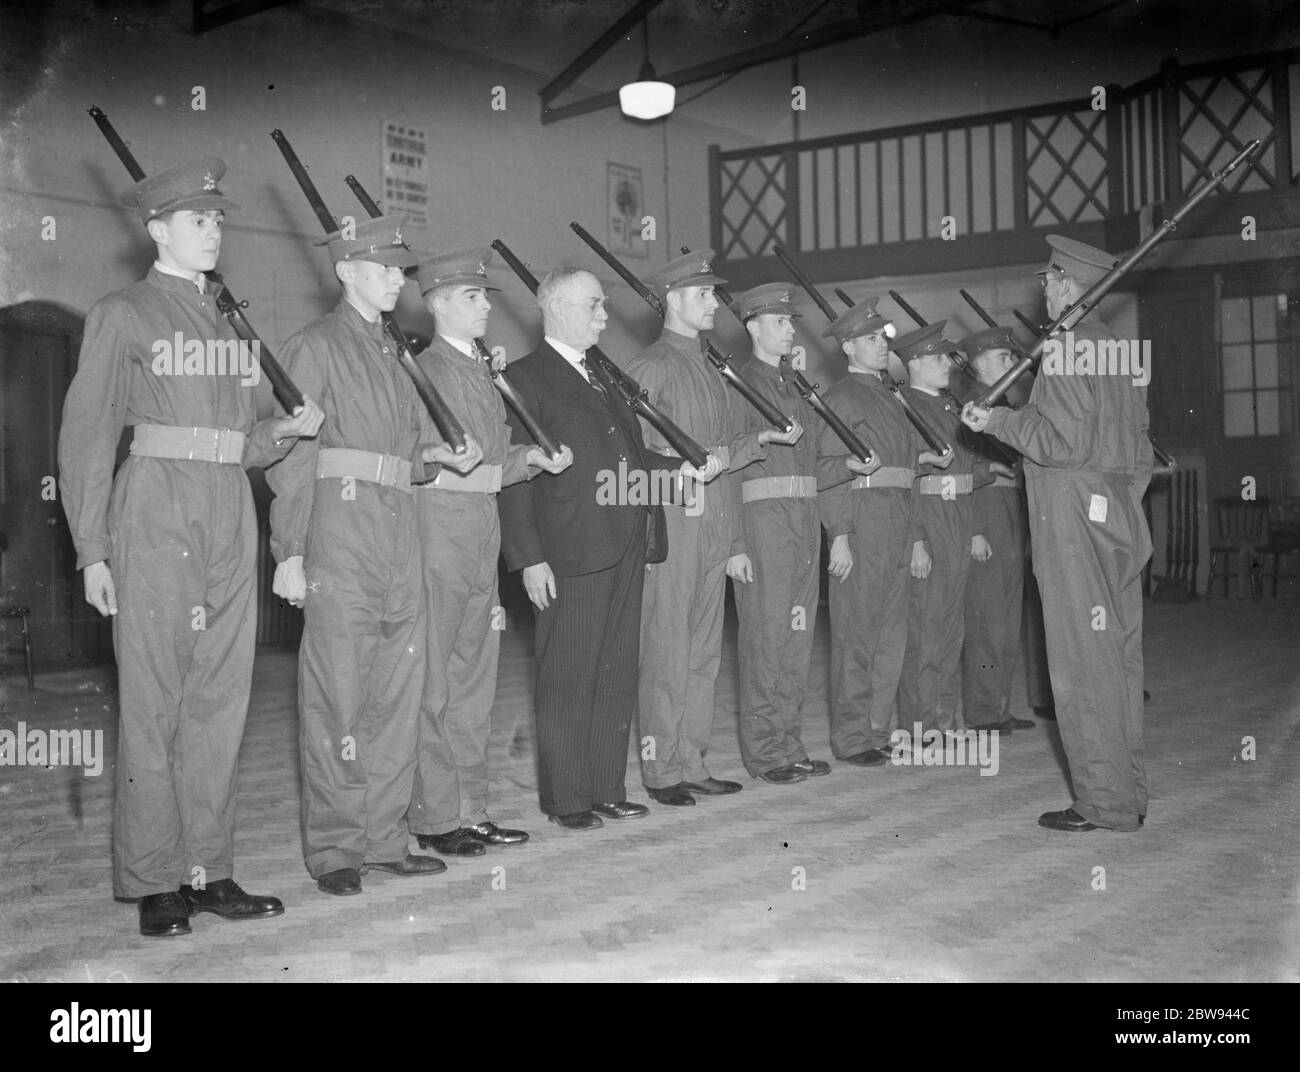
{"x":591,"y":376}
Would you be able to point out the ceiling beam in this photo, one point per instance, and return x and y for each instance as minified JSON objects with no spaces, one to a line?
{"x":207,"y":15}
{"x":595,"y":50}
{"x":753,"y":57}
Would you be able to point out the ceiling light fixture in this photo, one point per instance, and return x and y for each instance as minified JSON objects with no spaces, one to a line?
{"x":647,"y":97}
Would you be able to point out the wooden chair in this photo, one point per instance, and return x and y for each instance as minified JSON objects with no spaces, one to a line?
{"x":1238,"y":533}
{"x":1283,"y":534}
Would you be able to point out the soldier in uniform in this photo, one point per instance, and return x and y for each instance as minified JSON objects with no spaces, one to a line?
{"x":460,"y":538}
{"x":999,"y":546}
{"x":940,"y":559}
{"x":775,"y":550}
{"x":1088,"y":461}
{"x":169,"y":548}
{"x":343,"y":530}
{"x":868,"y":513}
{"x":681,"y":609}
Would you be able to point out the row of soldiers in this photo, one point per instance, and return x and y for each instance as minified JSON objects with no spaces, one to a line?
{"x":388,"y":539}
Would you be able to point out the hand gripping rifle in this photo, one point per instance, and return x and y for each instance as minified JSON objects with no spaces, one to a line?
{"x":229,"y":307}
{"x":1089,"y":299}
{"x":809,"y":392}
{"x":614,"y":379}
{"x":769,"y":412}
{"x":541,"y":437}
{"x":1163,"y":458}
{"x":932,"y":438}
{"x":448,"y":427}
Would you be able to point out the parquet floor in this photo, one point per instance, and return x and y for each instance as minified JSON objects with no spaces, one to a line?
{"x":910,"y":873}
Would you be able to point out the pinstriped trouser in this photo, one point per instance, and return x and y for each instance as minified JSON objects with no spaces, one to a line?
{"x":587,"y":648}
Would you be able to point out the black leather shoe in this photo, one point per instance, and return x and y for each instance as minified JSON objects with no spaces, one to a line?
{"x":712,"y":787}
{"x":1065,"y":820}
{"x":578,"y":820}
{"x":1022,"y":723}
{"x":408,"y":865}
{"x":784,"y":776}
{"x":491,"y":834}
{"x":872,"y":757}
{"x":227,"y":900}
{"x":163,"y":915}
{"x":814,"y":768}
{"x":1046,"y":712}
{"x":341,"y":883}
{"x":621,"y":809}
{"x":461,"y":842}
{"x":675,"y":796}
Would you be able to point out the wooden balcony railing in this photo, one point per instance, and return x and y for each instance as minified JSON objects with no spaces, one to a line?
{"x":980,"y":189}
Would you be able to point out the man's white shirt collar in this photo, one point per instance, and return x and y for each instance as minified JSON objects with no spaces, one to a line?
{"x":572,"y":356}
{"x":199,"y":283}
{"x":458,"y":344}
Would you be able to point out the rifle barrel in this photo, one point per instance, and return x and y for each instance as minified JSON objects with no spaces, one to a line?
{"x":448,"y":427}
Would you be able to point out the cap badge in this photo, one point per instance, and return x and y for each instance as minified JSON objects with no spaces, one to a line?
{"x":209,"y":183}
{"x":784,"y":296}
{"x":481,"y":269}
{"x":397,"y":235}
{"x":705,"y":266}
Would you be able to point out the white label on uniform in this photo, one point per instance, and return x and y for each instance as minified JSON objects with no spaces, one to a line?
{"x":1097,"y":509}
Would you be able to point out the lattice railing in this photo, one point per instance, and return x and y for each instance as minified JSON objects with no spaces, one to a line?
{"x":1046,"y":167}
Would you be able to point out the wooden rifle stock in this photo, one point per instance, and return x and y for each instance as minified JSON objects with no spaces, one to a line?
{"x":932,"y":438}
{"x":227,"y":304}
{"x":845,"y":434}
{"x":769,"y":412}
{"x":448,"y":427}
{"x":615,"y":380}
{"x":541,"y":437}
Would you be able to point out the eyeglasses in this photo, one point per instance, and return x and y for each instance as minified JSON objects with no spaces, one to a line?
{"x":590,"y":304}
{"x":1060,"y":274}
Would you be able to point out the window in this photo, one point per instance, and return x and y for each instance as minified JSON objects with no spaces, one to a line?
{"x":1254,"y":372}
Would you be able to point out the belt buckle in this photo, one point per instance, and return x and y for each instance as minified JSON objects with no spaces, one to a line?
{"x":387,"y":474}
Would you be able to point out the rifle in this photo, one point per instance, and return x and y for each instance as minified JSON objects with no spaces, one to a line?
{"x":616,"y":381}
{"x":1163,"y":458}
{"x":1077,"y":310}
{"x":808,"y":390}
{"x":448,"y":427}
{"x":769,"y":412}
{"x":229,"y":307}
{"x":541,"y":437}
{"x":932,"y":438}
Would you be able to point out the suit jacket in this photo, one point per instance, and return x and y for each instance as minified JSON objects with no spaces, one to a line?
{"x":583,"y":519}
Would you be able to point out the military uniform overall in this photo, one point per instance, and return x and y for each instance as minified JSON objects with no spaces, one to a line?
{"x":780,"y":529}
{"x":682,"y":603}
{"x":1087,"y":464}
{"x":344,"y":501}
{"x":931,"y":684}
{"x":869,"y":607}
{"x":178,"y":529}
{"x":460,"y":538}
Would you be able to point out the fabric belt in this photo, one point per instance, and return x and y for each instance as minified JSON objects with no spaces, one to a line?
{"x":388,"y":470}
{"x":886,"y":476}
{"x":934,"y":484}
{"x":779,"y":487}
{"x":485,"y":479}
{"x":222,"y":445}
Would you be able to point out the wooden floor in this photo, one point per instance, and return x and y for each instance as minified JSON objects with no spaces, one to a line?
{"x":911,"y":873}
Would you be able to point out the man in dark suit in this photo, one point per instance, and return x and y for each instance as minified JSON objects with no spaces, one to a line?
{"x":580,"y":538}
